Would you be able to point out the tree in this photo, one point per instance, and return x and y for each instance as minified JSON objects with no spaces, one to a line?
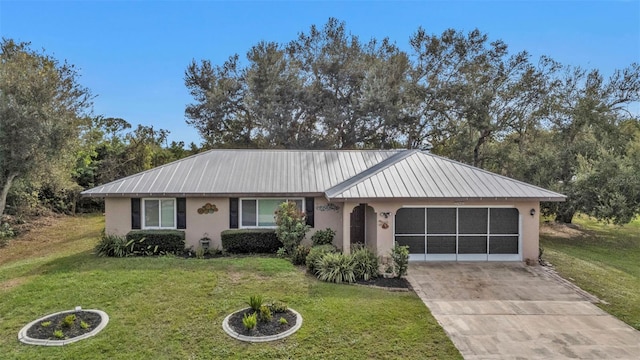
{"x":41,"y":109}
{"x":588,"y":112}
{"x":325,"y":89}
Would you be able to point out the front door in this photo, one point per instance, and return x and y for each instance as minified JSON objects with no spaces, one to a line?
{"x":357,"y":224}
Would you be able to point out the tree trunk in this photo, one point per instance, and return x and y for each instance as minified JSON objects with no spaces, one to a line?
{"x":565,"y":216}
{"x":5,"y":190}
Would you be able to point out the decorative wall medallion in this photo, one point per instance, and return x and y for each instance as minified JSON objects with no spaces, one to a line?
{"x":383,"y":224}
{"x":208,"y":208}
{"x":328,"y":207}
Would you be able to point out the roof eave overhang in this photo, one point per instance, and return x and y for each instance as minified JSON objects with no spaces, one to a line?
{"x":452,"y":199}
{"x":198,"y":194}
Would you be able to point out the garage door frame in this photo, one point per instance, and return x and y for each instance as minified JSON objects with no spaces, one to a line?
{"x":464,"y":257}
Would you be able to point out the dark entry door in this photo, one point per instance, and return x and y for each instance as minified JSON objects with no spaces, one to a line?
{"x":357,"y":224}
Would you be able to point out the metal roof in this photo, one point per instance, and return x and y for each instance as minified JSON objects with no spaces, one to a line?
{"x":419,"y":174}
{"x":337,"y":174}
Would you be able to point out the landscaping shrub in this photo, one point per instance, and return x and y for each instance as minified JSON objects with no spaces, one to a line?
{"x":250,"y":241}
{"x":336,"y":267}
{"x":278,"y":307}
{"x":255,"y":302}
{"x":264,"y":315}
{"x":400,"y":257}
{"x":112,"y":245}
{"x":323,"y":237}
{"x":299,"y":256}
{"x":250,"y":321}
{"x":365,"y":262}
{"x":155,"y":242}
{"x":6,"y":233}
{"x":292,"y":226}
{"x":315,"y":254}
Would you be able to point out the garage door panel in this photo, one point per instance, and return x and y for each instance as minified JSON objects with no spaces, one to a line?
{"x":459,"y":234}
{"x":472,"y":245}
{"x":410,"y":221}
{"x":503,"y":245}
{"x":472,"y":220}
{"x":503,"y":221}
{"x":415,"y":243}
{"x":441,"y":221}
{"x":441,"y":244}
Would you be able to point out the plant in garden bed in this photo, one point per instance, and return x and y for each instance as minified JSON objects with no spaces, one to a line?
{"x":315,"y":254}
{"x":400,"y":257}
{"x":365,"y":262}
{"x":258,"y":319}
{"x":323,"y":237}
{"x":336,"y":267}
{"x":291,"y":226}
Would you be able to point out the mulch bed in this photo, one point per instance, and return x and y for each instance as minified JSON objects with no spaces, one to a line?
{"x":396,"y":283}
{"x":263,"y":328}
{"x":37,"y":331}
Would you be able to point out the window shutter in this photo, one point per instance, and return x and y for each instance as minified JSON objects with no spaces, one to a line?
{"x":233,"y":213}
{"x":181,"y":205}
{"x":135,"y":213}
{"x":309,"y":205}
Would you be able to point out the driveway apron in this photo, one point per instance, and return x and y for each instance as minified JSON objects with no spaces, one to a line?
{"x":514,"y":311}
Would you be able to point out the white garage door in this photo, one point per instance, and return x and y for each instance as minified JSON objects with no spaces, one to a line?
{"x":459,"y":234}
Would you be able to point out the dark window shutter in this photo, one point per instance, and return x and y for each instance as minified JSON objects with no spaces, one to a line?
{"x":233,"y":213}
{"x":181,"y":205}
{"x":309,"y":205}
{"x":135,"y":213}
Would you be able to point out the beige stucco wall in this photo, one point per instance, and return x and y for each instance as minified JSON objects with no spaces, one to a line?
{"x":209,"y":225}
{"x":118,"y":220}
{"x":384,"y":241}
{"x":117,"y":216}
{"x":326,"y":218}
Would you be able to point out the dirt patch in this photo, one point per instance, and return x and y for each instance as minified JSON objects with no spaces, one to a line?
{"x":11,"y":283}
{"x":565,"y":231}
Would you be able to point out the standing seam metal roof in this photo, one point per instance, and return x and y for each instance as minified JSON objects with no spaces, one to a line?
{"x":338,"y":174}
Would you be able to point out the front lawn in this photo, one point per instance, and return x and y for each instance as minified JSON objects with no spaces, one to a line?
{"x":172,"y":308}
{"x":603,"y":260}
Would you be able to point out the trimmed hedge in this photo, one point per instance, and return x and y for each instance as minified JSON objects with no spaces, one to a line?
{"x":155,"y":242}
{"x":250,"y":241}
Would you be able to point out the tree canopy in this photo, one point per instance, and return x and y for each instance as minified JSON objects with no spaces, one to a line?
{"x":458,"y":94}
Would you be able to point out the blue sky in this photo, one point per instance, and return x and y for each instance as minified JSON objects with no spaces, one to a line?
{"x":133,"y":54}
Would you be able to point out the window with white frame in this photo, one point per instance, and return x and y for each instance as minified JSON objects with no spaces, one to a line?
{"x":261,"y":212}
{"x":159,"y":213}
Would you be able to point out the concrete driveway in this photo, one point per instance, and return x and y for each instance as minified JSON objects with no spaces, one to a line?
{"x":514,"y":311}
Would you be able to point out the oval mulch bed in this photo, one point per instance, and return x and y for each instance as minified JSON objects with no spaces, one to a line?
{"x":56,"y":322}
{"x":263,"y":328}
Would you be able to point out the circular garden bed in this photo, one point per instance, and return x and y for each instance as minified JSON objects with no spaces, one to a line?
{"x":64,"y":327}
{"x":281,"y":325}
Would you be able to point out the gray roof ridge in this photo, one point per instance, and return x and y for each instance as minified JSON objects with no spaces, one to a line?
{"x":375,"y":169}
{"x":474,"y":168}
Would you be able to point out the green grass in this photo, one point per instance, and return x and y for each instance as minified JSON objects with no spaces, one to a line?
{"x":172,"y":308}
{"x":605,"y":261}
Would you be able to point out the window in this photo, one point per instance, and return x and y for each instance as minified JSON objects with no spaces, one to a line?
{"x":261,"y":212}
{"x":159,"y":213}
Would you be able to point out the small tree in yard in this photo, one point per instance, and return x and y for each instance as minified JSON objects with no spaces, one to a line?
{"x":291,"y":226}
{"x":400,"y":257}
